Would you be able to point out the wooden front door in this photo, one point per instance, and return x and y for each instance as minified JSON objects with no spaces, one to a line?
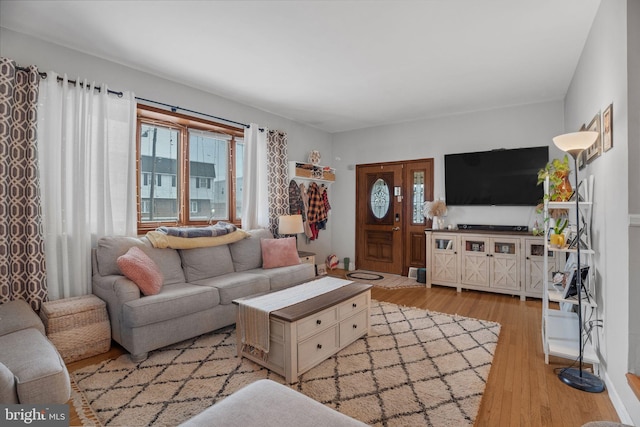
{"x":389,"y":222}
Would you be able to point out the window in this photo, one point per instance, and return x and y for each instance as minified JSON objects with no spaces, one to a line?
{"x":201,"y":159}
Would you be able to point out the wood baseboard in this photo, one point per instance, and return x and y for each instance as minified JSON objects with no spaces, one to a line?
{"x":634,"y":382}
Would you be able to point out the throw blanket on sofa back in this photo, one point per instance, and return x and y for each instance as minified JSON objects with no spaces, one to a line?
{"x":216,"y":230}
{"x":195,"y":237}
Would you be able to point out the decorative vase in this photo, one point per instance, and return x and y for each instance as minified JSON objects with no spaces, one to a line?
{"x":314,"y":157}
{"x":435,"y":223}
{"x":563,"y":190}
{"x":556,"y":240}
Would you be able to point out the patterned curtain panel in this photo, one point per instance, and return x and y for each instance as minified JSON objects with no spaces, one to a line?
{"x":277,"y":178}
{"x":22,"y":259}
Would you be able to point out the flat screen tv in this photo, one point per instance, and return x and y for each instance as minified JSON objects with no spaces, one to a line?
{"x":498,"y":177}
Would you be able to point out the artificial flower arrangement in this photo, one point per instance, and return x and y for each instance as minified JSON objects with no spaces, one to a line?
{"x":435,"y":208}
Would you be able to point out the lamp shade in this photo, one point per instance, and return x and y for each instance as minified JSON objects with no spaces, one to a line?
{"x":290,"y":224}
{"x":576,"y":142}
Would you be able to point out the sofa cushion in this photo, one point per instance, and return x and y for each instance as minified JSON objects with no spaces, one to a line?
{"x":247,"y":253}
{"x":168,"y":260}
{"x":202,"y":263}
{"x":16,"y":315}
{"x":40,"y":374}
{"x":173,"y":301}
{"x":284,"y":277}
{"x":109,"y":249}
{"x":279,"y":252}
{"x":141,"y":270}
{"x":236,"y":285}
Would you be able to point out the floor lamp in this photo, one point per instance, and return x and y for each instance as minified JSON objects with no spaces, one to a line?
{"x":574,"y":144}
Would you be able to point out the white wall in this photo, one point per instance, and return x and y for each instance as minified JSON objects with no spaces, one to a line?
{"x":514,"y":127}
{"x":600,"y":79}
{"x":26,"y":50}
{"x":633,"y":67}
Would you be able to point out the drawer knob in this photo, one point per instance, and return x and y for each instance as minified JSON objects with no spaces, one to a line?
{"x":318,"y":322}
{"x":354,"y":305}
{"x":319,"y":346}
{"x":355,"y":326}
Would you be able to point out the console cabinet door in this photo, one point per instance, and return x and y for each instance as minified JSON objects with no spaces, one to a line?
{"x":534,"y":266}
{"x":475,"y":261}
{"x":505,"y":263}
{"x":444,"y":253}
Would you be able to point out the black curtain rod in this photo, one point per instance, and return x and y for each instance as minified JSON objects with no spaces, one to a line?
{"x":174,"y":108}
{"x":73,"y":82}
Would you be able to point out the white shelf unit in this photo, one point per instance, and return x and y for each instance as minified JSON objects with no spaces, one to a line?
{"x":559,"y":327}
{"x":309,"y":172}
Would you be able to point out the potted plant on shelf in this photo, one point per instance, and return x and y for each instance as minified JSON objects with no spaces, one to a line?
{"x":560,"y":189}
{"x":557,"y":237}
{"x":558,"y":171}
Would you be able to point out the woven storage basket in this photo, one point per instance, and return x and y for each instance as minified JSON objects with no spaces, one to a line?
{"x":78,"y":327}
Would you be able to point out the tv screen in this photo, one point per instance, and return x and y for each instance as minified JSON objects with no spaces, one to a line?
{"x":498,"y":177}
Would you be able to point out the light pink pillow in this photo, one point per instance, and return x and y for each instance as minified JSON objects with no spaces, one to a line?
{"x":141,"y":270}
{"x":279,"y":252}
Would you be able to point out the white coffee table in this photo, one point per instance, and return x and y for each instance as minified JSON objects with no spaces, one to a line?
{"x":304,"y":334}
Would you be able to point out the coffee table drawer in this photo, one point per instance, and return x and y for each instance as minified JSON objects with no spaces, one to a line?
{"x":352,"y":306}
{"x":317,"y":322}
{"x":353,"y":327}
{"x":317,"y":348}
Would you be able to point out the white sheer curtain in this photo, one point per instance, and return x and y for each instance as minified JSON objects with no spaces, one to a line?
{"x":255,"y":202}
{"x":86,"y":150}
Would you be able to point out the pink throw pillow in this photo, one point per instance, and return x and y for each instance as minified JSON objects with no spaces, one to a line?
{"x":279,"y":252}
{"x":141,"y":270}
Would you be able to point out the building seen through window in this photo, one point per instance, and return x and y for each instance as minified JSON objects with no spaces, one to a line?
{"x":187,"y":174}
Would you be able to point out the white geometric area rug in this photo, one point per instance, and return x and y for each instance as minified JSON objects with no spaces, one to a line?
{"x":415,"y":368}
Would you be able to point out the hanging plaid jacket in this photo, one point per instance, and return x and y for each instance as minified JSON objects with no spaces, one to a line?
{"x":296,"y":205}
{"x":316,"y":212}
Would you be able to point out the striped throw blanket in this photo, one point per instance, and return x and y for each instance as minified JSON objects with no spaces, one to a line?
{"x":216,"y":230}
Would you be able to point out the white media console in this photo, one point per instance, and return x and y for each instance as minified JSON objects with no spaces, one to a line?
{"x":506,"y":262}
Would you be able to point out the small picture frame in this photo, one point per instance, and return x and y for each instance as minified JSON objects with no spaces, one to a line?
{"x":594,"y":151}
{"x":582,"y":159}
{"x":607,"y":128}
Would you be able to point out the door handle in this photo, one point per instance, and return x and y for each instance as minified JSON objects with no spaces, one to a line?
{"x":395,"y":229}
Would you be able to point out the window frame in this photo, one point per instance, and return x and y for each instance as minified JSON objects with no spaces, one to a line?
{"x":183,"y":123}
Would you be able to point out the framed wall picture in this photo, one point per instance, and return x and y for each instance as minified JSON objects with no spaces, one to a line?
{"x":607,"y":128}
{"x":582,"y":159}
{"x":594,"y":151}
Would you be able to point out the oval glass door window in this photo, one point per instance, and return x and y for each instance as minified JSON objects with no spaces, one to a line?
{"x":380,"y":197}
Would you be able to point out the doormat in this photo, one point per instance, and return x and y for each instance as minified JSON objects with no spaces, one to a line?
{"x":364,"y":275}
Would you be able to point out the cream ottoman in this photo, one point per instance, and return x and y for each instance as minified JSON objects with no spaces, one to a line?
{"x":266,"y":403}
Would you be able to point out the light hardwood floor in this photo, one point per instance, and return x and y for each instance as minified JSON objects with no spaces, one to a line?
{"x":522,"y":390}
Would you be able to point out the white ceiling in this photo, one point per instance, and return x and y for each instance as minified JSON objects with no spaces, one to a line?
{"x":335,"y":65}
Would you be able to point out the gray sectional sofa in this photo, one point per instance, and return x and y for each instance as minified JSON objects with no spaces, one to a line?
{"x":31,"y":369}
{"x":196,"y":297}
